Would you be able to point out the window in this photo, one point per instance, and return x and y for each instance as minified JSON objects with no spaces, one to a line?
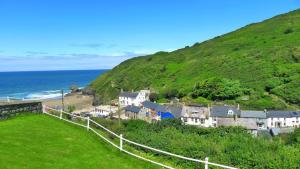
{"x":230,"y":112}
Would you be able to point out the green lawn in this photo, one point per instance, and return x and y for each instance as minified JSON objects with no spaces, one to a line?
{"x":39,"y":141}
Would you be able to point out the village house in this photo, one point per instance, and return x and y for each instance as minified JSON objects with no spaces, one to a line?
{"x":222,"y":113}
{"x":133,"y":112}
{"x":150,"y":110}
{"x":196,"y":115}
{"x":259,"y":116}
{"x":283,"y":119}
{"x":133,"y":98}
{"x":104,"y":111}
{"x":231,"y":116}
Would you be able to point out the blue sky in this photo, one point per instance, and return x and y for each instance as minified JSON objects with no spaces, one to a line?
{"x":99,"y":34}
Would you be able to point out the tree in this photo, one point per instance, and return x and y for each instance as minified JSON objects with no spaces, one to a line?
{"x":153,"y":97}
{"x":97,"y":101}
{"x":216,"y":88}
{"x":171,"y":93}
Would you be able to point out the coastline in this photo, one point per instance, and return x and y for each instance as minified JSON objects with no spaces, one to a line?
{"x":82,"y":103}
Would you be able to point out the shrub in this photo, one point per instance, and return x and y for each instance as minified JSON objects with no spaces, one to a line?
{"x":288,"y":30}
{"x":153,"y":97}
{"x":216,"y":88}
{"x":171,"y":93}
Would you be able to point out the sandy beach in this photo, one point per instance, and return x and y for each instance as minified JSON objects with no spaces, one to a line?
{"x":81,"y":102}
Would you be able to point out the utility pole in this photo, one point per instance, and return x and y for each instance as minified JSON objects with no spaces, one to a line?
{"x":62,"y":99}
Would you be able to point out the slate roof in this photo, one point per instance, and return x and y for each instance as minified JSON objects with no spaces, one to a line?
{"x":175,"y":110}
{"x":154,"y":106}
{"x":222,"y":111}
{"x":282,"y":114}
{"x":133,"y":109}
{"x":196,"y":105}
{"x":253,"y":114}
{"x":129,"y":94}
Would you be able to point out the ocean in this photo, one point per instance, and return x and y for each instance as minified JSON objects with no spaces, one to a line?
{"x":43,"y":84}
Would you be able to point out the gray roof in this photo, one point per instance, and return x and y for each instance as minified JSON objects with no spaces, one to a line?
{"x":175,"y":110}
{"x":222,"y":111}
{"x":282,"y":114}
{"x":133,"y":109}
{"x":196,"y":105}
{"x":129,"y":94}
{"x":253,"y":114}
{"x":154,"y":106}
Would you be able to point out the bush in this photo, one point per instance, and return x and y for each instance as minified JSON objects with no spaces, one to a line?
{"x":71,"y":108}
{"x":216,"y":89}
{"x":153,"y":97}
{"x":169,"y":94}
{"x":288,"y":30}
{"x":225,"y":145}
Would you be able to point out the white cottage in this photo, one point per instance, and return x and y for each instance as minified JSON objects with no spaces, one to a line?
{"x":104,"y":111}
{"x":196,"y":115}
{"x":133,"y":98}
{"x":283,"y":119}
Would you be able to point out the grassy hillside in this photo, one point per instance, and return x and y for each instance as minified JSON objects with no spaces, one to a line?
{"x":37,"y":141}
{"x":262,"y":58}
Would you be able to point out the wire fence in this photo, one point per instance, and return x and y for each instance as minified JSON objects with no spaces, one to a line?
{"x":87,"y":123}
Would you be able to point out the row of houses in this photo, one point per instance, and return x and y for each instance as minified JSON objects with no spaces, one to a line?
{"x":215,"y":116}
{"x":136,"y":105}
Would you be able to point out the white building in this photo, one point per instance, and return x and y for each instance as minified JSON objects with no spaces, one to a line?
{"x":196,"y":115}
{"x":104,"y":111}
{"x":133,"y":98}
{"x":283,"y":119}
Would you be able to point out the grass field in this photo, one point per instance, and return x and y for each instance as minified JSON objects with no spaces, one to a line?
{"x":39,"y":141}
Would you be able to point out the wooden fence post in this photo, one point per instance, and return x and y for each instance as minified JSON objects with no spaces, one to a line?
{"x":88,"y":123}
{"x":60,"y":115}
{"x":206,"y":163}
{"x":121,"y":142}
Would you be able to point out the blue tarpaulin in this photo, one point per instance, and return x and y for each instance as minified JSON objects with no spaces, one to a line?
{"x":165,"y":115}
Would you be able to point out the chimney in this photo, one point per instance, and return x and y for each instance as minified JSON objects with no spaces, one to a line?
{"x":235,"y":117}
{"x":238,"y":106}
{"x":122,"y":90}
{"x":132,"y":90}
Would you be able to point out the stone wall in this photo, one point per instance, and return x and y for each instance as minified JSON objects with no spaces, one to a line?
{"x":14,"y":109}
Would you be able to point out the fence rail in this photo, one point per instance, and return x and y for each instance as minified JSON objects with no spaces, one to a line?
{"x":122,"y":140}
{"x":13,"y":99}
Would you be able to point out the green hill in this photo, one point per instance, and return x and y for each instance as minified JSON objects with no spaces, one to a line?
{"x":257,"y":66}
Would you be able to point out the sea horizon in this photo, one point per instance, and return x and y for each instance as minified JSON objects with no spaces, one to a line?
{"x":13,"y":71}
{"x":44,"y":84}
